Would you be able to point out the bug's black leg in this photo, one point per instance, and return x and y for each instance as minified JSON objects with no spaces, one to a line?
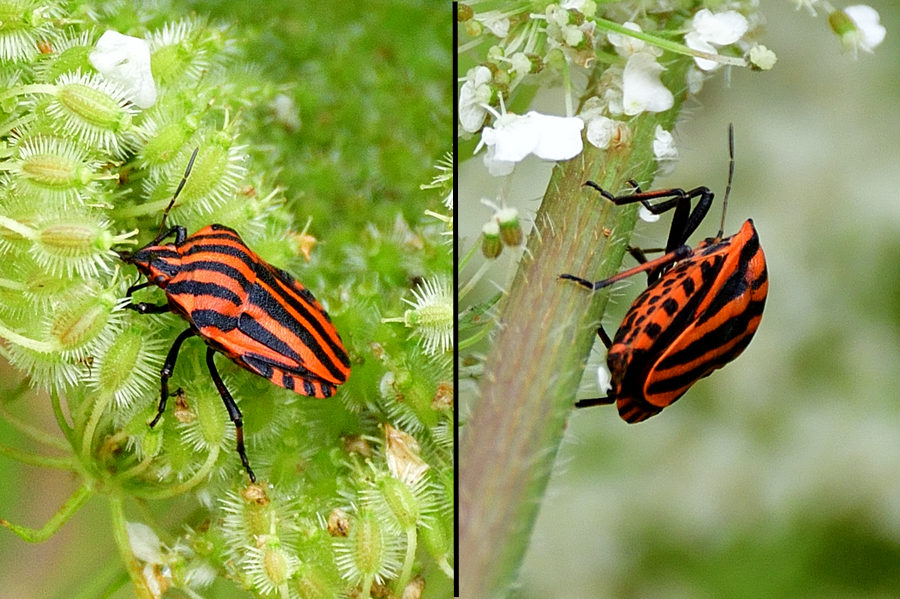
{"x":679,"y":253}
{"x":594,"y":401}
{"x":685,"y":221}
{"x":166,"y":372}
{"x":604,"y":337}
{"x":233,"y":412}
{"x":638,"y":254}
{"x":579,"y":280}
{"x":143,"y":307}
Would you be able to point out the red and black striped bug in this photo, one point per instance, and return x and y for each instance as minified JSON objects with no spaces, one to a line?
{"x":700,"y":309}
{"x":259,"y":316}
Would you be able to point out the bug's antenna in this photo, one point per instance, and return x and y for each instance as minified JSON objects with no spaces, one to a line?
{"x":187,"y":171}
{"x":730,"y":177}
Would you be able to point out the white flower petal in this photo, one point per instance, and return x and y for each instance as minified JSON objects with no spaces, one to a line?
{"x":695,"y":41}
{"x":868,"y":22}
{"x":513,"y":137}
{"x":626,"y":45}
{"x":721,"y":28}
{"x":144,"y":543}
{"x":495,"y":21}
{"x":473,"y":95}
{"x":125,"y":61}
{"x":604,"y":380}
{"x":559,"y":137}
{"x":497,"y":168}
{"x":664,"y":145}
{"x":641,"y":88}
{"x":600,"y":130}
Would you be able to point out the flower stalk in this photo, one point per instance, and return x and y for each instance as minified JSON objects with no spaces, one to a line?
{"x":510,"y":442}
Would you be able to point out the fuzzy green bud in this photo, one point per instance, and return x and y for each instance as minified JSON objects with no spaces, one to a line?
{"x":437,"y":537}
{"x":276,"y":565}
{"x":94,"y":107}
{"x":75,"y":246}
{"x":491,"y":246}
{"x":169,"y":139}
{"x":69,"y":61}
{"x":401,"y":500}
{"x":313,"y":582}
{"x":208,"y":408}
{"x":368,"y":548}
{"x":74,"y":239}
{"x":841,"y":23}
{"x":55,"y":172}
{"x":79,"y":322}
{"x":119,"y":369}
{"x":510,"y":229}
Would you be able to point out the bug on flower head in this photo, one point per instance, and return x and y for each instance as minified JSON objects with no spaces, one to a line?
{"x":257,"y":315}
{"x":699,"y":311}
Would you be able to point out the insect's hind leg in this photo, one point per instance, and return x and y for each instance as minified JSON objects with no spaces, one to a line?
{"x":233,"y":412}
{"x":685,"y":221}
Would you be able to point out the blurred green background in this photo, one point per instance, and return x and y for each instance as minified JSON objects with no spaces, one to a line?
{"x":778,"y":476}
{"x":373,"y":84}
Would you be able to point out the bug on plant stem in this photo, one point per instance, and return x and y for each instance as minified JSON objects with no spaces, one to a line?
{"x":259,"y":316}
{"x":699,"y":311}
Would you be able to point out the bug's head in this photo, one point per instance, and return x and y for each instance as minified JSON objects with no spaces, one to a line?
{"x":159,"y":263}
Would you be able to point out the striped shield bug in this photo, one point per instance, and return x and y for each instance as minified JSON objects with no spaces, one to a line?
{"x":257,"y":315}
{"x":699,"y":311}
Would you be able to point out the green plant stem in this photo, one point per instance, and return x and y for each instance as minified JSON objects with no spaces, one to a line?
{"x":62,"y":515}
{"x":197,"y":478}
{"x":668,"y":44}
{"x":120,"y":533}
{"x":33,"y":432}
{"x":60,"y":463}
{"x":537,"y":360}
{"x":408,"y":560}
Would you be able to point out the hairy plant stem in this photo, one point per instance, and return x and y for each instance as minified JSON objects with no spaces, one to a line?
{"x":537,"y":359}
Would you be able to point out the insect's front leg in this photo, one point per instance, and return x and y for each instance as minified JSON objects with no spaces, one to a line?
{"x":166,"y":373}
{"x":143,"y":307}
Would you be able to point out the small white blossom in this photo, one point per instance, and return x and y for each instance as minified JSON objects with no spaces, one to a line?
{"x":520,"y":63}
{"x":513,"y":137}
{"x":664,"y":151}
{"x":495,"y":22}
{"x":642,"y":91}
{"x":626,"y":45}
{"x":474,"y":96}
{"x":710,"y":30}
{"x":125,"y":61}
{"x":864,"y":30}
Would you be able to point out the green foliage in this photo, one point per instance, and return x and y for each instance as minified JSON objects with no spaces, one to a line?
{"x":316,"y":136}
